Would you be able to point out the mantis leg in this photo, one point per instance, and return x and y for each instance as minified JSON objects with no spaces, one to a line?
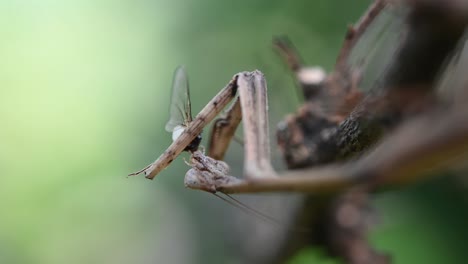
{"x":223,"y":131}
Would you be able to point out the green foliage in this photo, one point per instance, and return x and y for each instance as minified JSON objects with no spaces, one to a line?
{"x":312,"y":255}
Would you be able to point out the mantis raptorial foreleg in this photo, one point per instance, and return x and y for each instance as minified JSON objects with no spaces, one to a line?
{"x":252,"y":105}
{"x":195,"y":127}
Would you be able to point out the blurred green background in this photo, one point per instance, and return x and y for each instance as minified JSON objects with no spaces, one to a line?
{"x":84,"y":91}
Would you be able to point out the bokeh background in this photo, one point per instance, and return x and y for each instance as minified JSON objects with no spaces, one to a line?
{"x":84,"y":94}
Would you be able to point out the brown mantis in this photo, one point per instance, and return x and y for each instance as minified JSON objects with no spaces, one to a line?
{"x":211,"y":175}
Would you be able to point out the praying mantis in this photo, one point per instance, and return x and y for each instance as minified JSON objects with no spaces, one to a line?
{"x":248,"y":90}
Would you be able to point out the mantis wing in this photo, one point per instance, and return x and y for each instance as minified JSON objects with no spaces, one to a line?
{"x":180,"y":108}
